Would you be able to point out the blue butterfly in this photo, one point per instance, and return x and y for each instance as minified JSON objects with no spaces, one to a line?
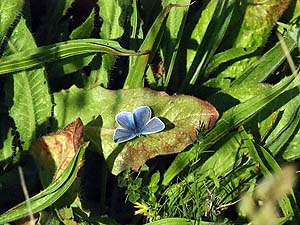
{"x":136,"y":124}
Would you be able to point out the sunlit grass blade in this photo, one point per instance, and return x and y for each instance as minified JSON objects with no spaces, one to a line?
{"x":135,"y":78}
{"x":285,"y":128}
{"x":213,"y":36}
{"x":267,"y":64}
{"x":268,"y":165}
{"x":172,"y":38}
{"x":227,"y":56}
{"x":230,"y":120}
{"x":38,"y":56}
{"x":48,"y":196}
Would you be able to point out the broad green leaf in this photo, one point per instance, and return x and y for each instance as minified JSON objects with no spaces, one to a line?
{"x":222,"y":162}
{"x":32,"y":57}
{"x":50,"y":195}
{"x":9,"y":11}
{"x":114,"y":16}
{"x":237,"y":94}
{"x":182,"y":115}
{"x":257,"y":22}
{"x":230,"y":120}
{"x":27,"y":91}
{"x":135,"y":78}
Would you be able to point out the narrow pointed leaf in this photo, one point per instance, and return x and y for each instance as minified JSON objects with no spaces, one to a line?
{"x":50,"y":195}
{"x":33,"y":57}
{"x":216,"y":20}
{"x":231,"y":119}
{"x":171,"y":39}
{"x":135,"y":78}
{"x":268,"y":165}
{"x":267,"y":64}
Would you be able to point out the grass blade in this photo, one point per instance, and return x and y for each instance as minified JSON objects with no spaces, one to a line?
{"x":48,"y":196}
{"x":38,"y":56}
{"x":230,"y":120}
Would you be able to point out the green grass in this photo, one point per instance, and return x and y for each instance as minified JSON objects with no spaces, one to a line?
{"x":214,"y":71}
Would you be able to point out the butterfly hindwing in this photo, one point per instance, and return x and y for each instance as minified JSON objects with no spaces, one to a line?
{"x":122,"y":135}
{"x":153,"y":126}
{"x":141,"y":116}
{"x":125,"y":120}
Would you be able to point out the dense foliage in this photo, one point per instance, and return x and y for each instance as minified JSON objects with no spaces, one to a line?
{"x":220,"y":74}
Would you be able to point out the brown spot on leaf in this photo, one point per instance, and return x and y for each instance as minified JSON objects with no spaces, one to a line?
{"x":53,"y":152}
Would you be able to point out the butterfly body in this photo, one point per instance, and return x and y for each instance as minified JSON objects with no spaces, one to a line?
{"x":136,"y":124}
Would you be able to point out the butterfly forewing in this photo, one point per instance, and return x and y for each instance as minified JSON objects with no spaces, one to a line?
{"x":125,"y":120}
{"x":122,"y":135}
{"x":141,"y":116}
{"x":153,"y":126}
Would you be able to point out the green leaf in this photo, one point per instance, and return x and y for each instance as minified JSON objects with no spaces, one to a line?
{"x":285,"y":127}
{"x":292,"y":149}
{"x":9,"y":12}
{"x":212,"y":26}
{"x":114,"y":15}
{"x":227,"y":56}
{"x":176,"y":221}
{"x":135,"y":78}
{"x":258,"y":20}
{"x":171,"y":39}
{"x":236,"y":94}
{"x":222,"y":162}
{"x":182,"y":115}
{"x":85,"y":29}
{"x":7,"y":152}
{"x":50,"y":195}
{"x":230,"y":120}
{"x":267,"y":64}
{"x":27,"y":91}
{"x":69,"y":65}
{"x":255,"y":21}
{"x":268,"y":165}
{"x":33,"y":57}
